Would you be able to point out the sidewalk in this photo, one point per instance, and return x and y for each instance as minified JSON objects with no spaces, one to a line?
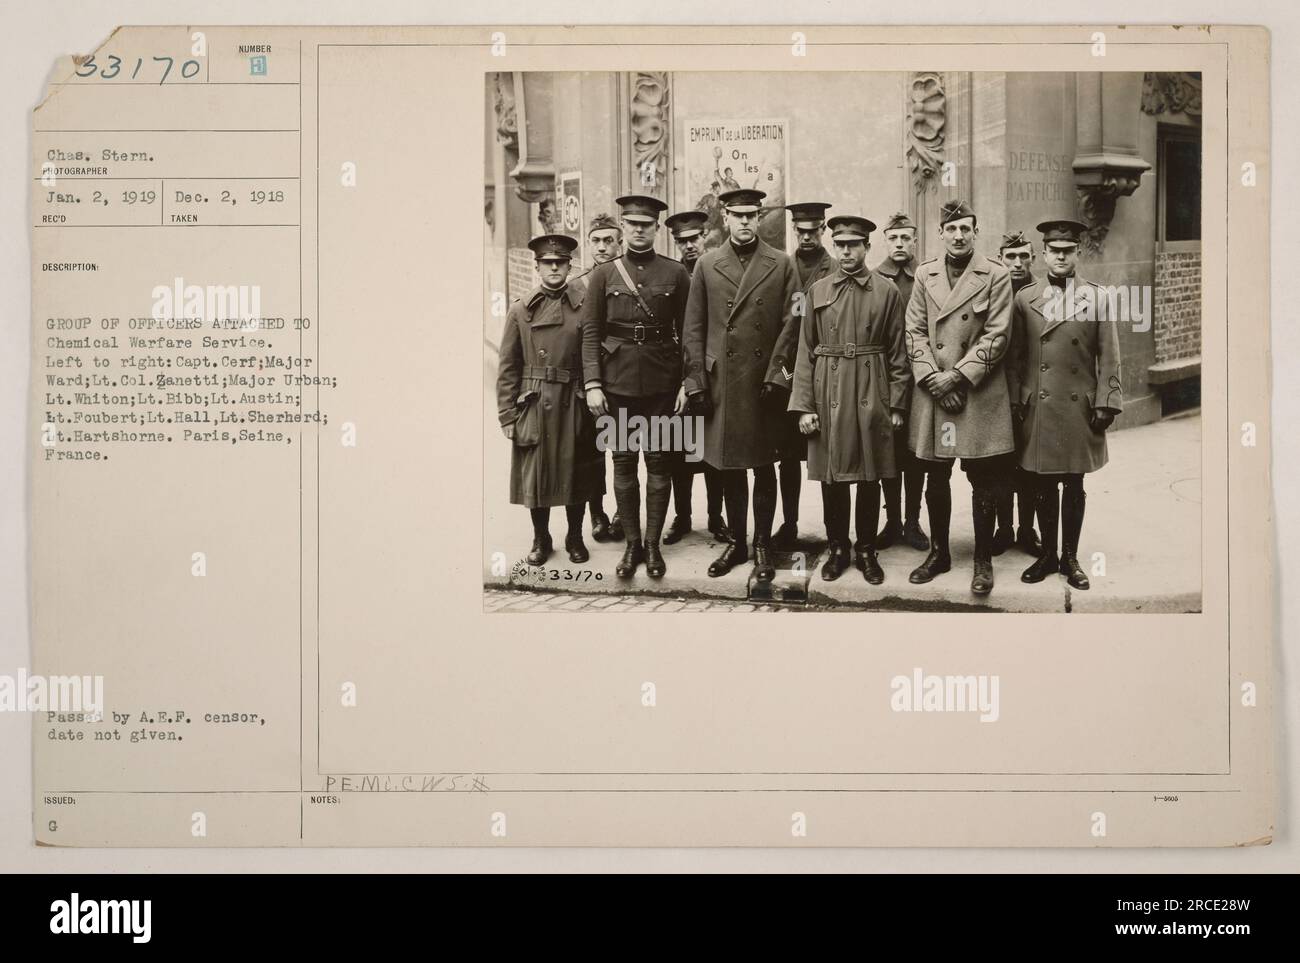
{"x":1143,"y":513}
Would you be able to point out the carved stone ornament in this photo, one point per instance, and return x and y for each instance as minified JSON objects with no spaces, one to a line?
{"x":1172,"y":93}
{"x":503,"y":106}
{"x":927,"y":107}
{"x":649,"y":124}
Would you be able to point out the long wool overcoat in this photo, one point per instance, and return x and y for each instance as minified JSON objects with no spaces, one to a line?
{"x":741,"y":332}
{"x":852,"y":397}
{"x":1064,"y":365}
{"x":554,"y":459}
{"x":966,"y":326}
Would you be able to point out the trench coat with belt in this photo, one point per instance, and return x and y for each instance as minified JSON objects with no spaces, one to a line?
{"x":967,"y":327}
{"x":554,"y":459}
{"x":740,"y":333}
{"x":1064,"y":366}
{"x":793,"y":444}
{"x":854,"y":390}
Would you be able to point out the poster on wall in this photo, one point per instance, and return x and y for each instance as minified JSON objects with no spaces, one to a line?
{"x":723,"y":155}
{"x":571,"y":221}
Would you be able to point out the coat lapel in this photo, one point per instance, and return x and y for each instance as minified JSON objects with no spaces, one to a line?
{"x":968,"y":285}
{"x":1055,"y":315}
{"x":728,"y":265}
{"x":760,"y":266}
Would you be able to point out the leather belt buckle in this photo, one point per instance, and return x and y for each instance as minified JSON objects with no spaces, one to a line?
{"x":850,"y":350}
{"x":638,"y":333}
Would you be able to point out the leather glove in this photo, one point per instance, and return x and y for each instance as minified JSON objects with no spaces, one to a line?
{"x":699,"y":403}
{"x":773,"y":398}
{"x":1099,"y":421}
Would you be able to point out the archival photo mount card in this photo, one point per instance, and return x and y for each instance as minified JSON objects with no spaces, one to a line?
{"x":870,"y":444}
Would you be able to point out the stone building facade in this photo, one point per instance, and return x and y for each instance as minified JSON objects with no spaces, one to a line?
{"x":1119,"y":151}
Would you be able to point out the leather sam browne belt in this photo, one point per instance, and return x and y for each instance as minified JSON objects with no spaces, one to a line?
{"x":548,"y":373}
{"x":639,"y":332}
{"x":849,"y":350}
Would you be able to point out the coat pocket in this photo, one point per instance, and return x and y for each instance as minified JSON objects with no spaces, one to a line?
{"x":528,"y":427}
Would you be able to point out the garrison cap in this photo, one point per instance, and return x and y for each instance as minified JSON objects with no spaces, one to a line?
{"x":747,"y":200}
{"x":1062,"y":229}
{"x":1013,"y":239}
{"x":954,"y":210}
{"x":686,"y":224}
{"x":603,"y":222}
{"x":850,"y":227}
{"x":640,"y":207}
{"x":809,"y":215}
{"x":899,"y":221}
{"x":553,"y":246}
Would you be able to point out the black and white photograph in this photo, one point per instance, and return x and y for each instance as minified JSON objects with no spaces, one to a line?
{"x":853,"y":340}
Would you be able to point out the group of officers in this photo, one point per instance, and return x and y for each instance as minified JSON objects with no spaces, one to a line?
{"x":879,"y":379}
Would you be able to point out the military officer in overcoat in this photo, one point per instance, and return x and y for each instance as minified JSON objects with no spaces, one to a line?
{"x":632,"y":366}
{"x":852,"y":385}
{"x":687,"y":228}
{"x":1017,"y":253}
{"x":958,"y":325}
{"x":540,"y":404}
{"x":812,"y":262}
{"x":740,"y":340}
{"x":1068,"y":392}
{"x":605,"y":240}
{"x":903,"y":491}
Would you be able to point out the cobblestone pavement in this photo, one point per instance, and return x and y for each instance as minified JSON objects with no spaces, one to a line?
{"x":507,"y":600}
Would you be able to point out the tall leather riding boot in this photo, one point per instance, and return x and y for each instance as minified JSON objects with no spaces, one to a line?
{"x":984,"y":510}
{"x":573,"y":543}
{"x":1047,"y":508}
{"x":713,"y":495}
{"x":1027,"y":496}
{"x":1073,"y":499}
{"x":658,"y":491}
{"x":764,"y":501}
{"x":893,"y":528}
{"x":764,"y":515}
{"x":1005,"y":533}
{"x":542,"y":546}
{"x":791,"y":481}
{"x":938,"y":501}
{"x":627,"y":496}
{"x":683,"y":482}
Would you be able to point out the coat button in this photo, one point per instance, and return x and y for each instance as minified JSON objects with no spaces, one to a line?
{"x":542,"y":352}
{"x":1042,"y":394}
{"x":965,"y":317}
{"x":963,"y":345}
{"x":760,"y":300}
{"x":939,"y":345}
{"x":835,"y":404}
{"x":1042,"y":367}
{"x":729,"y":303}
{"x":1074,"y":396}
{"x":835,"y":366}
{"x":758,"y":352}
{"x":1072,"y":340}
{"x":731,"y":327}
{"x":729,"y":353}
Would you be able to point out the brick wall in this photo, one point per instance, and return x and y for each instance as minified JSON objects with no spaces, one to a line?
{"x":1178,"y":305}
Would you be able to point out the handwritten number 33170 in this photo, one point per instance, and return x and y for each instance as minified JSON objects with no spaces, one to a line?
{"x":88,"y":67}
